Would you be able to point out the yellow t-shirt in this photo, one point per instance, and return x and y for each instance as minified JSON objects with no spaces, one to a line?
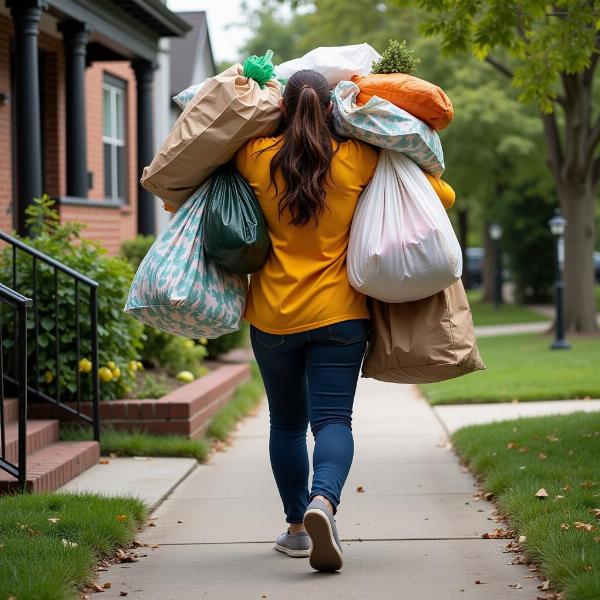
{"x":304,"y":284}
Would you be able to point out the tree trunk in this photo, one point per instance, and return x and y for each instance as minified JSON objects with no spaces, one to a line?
{"x":463,"y":233}
{"x":578,"y":206}
{"x":488,"y":271}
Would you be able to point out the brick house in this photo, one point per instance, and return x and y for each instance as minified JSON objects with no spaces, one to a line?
{"x":77,"y":89}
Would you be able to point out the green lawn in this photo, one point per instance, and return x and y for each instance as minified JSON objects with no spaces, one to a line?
{"x":560,"y":454}
{"x":484,"y":313}
{"x":523,"y":367}
{"x":50,"y":543}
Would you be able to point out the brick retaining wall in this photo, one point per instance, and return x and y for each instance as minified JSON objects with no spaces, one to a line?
{"x":186,"y":410}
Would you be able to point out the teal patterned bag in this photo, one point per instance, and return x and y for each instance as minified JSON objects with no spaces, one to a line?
{"x":178,"y":289}
{"x":385,"y":125}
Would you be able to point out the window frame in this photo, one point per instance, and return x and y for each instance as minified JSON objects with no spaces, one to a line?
{"x":115,"y":87}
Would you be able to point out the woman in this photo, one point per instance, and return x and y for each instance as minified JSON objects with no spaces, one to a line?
{"x":308,"y":326}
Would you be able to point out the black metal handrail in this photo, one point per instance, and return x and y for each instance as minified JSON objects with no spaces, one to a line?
{"x":19,"y":304}
{"x":78,"y":280}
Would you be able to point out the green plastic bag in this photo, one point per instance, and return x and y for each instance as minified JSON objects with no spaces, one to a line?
{"x":259,"y":68}
{"x":235,"y":232}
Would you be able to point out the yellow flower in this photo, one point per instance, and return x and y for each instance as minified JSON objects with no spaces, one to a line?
{"x":105,"y":374}
{"x":85,"y":365}
{"x":111,"y":365}
{"x":185,"y":376}
{"x":48,"y":376}
{"x":189,"y":343}
{"x":133,"y":365}
{"x":140,"y":366}
{"x":116,"y":373}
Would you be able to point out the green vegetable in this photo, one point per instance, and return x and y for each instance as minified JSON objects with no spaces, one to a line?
{"x":259,"y":68}
{"x":397,"y":58}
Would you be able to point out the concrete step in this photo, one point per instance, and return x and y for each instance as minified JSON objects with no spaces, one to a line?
{"x":40,"y":433}
{"x":54,"y":465}
{"x":11,"y":410}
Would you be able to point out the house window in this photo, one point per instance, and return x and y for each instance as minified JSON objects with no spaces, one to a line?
{"x":113,"y":101}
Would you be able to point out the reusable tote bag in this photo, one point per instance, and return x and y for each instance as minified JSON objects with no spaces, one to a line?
{"x":428,"y":340}
{"x":178,"y":289}
{"x":235,"y":232}
{"x":402,"y":245}
{"x":385,"y":125}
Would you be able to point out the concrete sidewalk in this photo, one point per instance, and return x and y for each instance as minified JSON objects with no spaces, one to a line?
{"x":413,"y":533}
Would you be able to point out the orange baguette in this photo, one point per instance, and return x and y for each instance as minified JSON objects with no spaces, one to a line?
{"x":420,"y":98}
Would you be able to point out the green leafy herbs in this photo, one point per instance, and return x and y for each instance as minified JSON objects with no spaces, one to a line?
{"x":396,"y":58}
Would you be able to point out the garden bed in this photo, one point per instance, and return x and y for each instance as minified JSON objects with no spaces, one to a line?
{"x":185,"y":410}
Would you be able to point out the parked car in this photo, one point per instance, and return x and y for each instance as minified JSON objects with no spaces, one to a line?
{"x":475,"y":258}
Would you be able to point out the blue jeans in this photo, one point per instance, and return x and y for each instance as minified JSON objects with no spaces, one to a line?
{"x":310,"y":377}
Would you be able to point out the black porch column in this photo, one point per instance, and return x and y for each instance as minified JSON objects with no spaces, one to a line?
{"x":26,"y":16}
{"x":75,"y":36}
{"x":144,"y":74}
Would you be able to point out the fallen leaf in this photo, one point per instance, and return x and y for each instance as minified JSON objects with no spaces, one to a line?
{"x":104,"y":461}
{"x":137,"y":544}
{"x":123,"y":593}
{"x":151,"y":524}
{"x":498,"y":533}
{"x":541,"y":494}
{"x":552,"y":438}
{"x":566,"y":488}
{"x":512,"y":445}
{"x":587,"y":484}
{"x":544,"y":586}
{"x":523,"y":449}
{"x":121,"y":518}
{"x":180,"y":521}
{"x":68,"y":544}
{"x":542,"y":456}
{"x":558,"y":497}
{"x":597,"y":538}
{"x":564,"y":526}
{"x":584,"y":526}
{"x":522,"y":539}
{"x":516,"y":586}
{"x":596,"y":512}
{"x":96,"y":588}
{"x":478,"y":582}
{"x":488,"y":496}
{"x":54,"y":520}
{"x":107,"y":585}
{"x":360,"y":489}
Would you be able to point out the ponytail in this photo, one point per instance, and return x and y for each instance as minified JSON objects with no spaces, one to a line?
{"x":307,"y":149}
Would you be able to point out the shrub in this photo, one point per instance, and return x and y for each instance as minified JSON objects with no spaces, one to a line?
{"x":396,"y":58}
{"x":119,"y":336}
{"x":173,"y":353}
{"x":133,"y":251}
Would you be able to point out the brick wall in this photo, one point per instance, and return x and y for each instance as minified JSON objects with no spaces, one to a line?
{"x":108,"y":225}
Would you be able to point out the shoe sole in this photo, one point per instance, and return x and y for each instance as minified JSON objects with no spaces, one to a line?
{"x":293,"y":553}
{"x":325,"y":554}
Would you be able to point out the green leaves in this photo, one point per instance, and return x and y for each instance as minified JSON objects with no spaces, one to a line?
{"x":544,"y":39}
{"x":397,"y":58}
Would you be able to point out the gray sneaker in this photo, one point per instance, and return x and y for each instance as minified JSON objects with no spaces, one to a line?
{"x":326,"y":554}
{"x":294,"y":544}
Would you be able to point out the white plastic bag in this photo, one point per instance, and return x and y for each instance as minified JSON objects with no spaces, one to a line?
{"x":402,"y":245}
{"x":336,"y":63}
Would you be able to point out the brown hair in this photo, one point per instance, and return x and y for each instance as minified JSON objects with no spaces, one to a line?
{"x":307,"y":149}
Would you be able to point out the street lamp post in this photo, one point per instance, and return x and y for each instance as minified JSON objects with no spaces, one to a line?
{"x":557,"y":226}
{"x":495,"y":231}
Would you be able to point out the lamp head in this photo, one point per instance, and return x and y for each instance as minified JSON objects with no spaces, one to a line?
{"x":557,"y":223}
{"x":495,"y":231}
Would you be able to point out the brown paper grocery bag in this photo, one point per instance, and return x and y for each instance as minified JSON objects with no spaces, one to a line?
{"x":424,"y":341}
{"x":227,"y":111}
